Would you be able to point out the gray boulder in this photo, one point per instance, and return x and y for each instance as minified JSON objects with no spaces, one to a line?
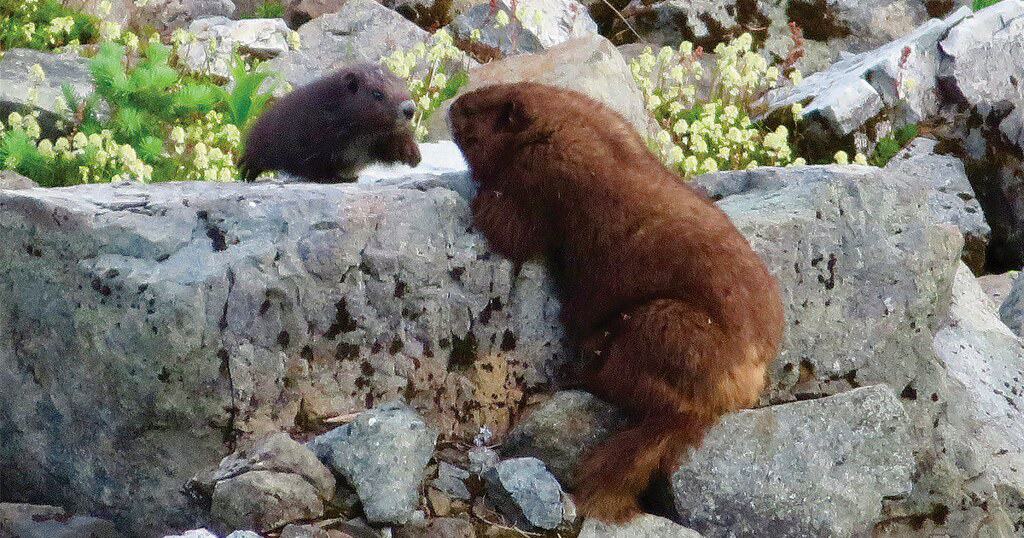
{"x":272,"y":483}
{"x":541,"y":25}
{"x":590,"y":65}
{"x":382,"y":453}
{"x":526,"y":493}
{"x":643,"y":526}
{"x":951,"y":198}
{"x":188,"y":317}
{"x":11,"y":180}
{"x":1011,"y":311}
{"x":299,"y":12}
{"x":864,"y":269}
{"x":561,"y":430}
{"x":815,"y":468}
{"x":169,"y":15}
{"x":216,"y":38}
{"x":17,"y":86}
{"x":29,"y":520}
{"x":978,"y":442}
{"x":998,"y":287}
{"x":361,"y":31}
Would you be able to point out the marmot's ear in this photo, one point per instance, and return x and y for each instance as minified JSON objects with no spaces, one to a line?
{"x":514,"y":116}
{"x":351,"y":81}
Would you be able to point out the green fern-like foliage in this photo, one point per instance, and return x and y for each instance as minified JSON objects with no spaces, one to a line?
{"x":30,"y":24}
{"x":889,"y":146}
{"x":157,"y":123}
{"x":245,"y":101}
{"x":271,"y":9}
{"x":979,"y":5}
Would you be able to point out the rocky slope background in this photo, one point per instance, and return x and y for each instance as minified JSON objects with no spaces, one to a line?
{"x":199,"y":358}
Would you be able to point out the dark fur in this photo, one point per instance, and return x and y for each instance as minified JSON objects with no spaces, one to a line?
{"x":330,"y":129}
{"x":675,"y":315}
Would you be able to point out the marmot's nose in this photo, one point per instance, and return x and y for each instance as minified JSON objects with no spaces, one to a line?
{"x":408,"y":108}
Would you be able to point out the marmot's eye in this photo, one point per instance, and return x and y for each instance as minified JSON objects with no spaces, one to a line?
{"x":378,"y":95}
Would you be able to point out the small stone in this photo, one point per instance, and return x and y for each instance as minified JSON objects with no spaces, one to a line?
{"x":526,"y":493}
{"x":443,"y":527}
{"x":440,"y":502}
{"x":196,"y":533}
{"x":482,"y":459}
{"x":561,"y":430}
{"x":243,"y":534}
{"x":643,"y":526}
{"x":264,"y":500}
{"x":304,"y":531}
{"x":382,"y":454}
{"x":452,"y":481}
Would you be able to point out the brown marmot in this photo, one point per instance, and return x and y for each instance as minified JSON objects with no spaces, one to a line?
{"x":330,"y":129}
{"x":674,"y":314}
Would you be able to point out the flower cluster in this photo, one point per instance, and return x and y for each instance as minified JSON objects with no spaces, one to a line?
{"x":45,"y":25}
{"x":434,"y":73}
{"x":704,"y":119}
{"x":205,"y":150}
{"x":70,"y":159}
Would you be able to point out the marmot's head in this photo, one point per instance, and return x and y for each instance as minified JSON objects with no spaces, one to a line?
{"x":492,"y":124}
{"x":369,"y":98}
{"x":528,"y":122}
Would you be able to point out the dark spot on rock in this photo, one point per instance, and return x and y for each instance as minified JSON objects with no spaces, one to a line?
{"x":508,"y":341}
{"x":909,"y":392}
{"x":343,"y":321}
{"x":457,"y":273}
{"x":807,"y":371}
{"x":396,"y":346}
{"x":99,"y":286}
{"x":215,"y":234}
{"x":399,"y":289}
{"x":464,"y":351}
{"x":935,"y":397}
{"x":376,"y":347}
{"x":283,"y":338}
{"x":164,"y":375}
{"x":346,"y":351}
{"x":306,"y":354}
{"x":494,"y":305}
{"x":225,"y":363}
{"x":445,"y":343}
{"x":264,"y":307}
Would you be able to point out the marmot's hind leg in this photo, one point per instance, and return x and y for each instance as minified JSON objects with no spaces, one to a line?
{"x":675,"y":372}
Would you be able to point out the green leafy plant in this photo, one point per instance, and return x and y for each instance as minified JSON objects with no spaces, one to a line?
{"x":434,"y":73}
{"x":887,"y":147}
{"x":704,"y":120}
{"x":271,"y":9}
{"x":158,"y":124}
{"x":44,"y":25}
{"x":978,"y":5}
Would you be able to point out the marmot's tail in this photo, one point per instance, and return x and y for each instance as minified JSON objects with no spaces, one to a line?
{"x":616,"y":473}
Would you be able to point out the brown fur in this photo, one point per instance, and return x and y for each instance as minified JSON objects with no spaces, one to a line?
{"x":675,"y":315}
{"x":330,"y":129}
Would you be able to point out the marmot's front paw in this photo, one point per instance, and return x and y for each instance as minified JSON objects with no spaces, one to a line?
{"x":409,"y":152}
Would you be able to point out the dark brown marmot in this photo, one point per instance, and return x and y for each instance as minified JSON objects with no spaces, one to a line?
{"x":675,"y":316}
{"x":330,"y":129}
